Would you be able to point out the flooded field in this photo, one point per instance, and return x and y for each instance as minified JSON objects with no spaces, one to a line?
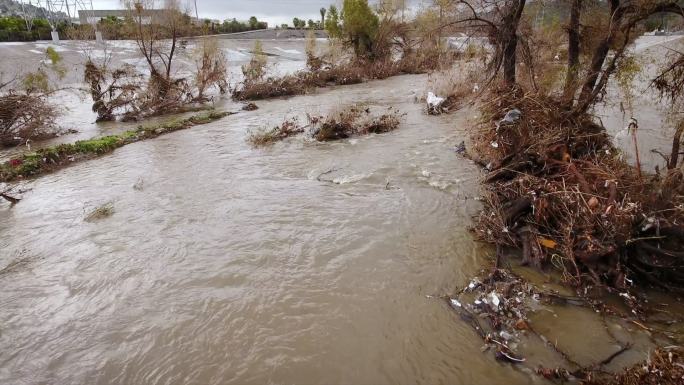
{"x":302,"y":262}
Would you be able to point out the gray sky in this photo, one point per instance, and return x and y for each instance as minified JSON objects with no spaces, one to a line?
{"x":272,"y":11}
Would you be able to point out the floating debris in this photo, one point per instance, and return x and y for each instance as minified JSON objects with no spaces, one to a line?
{"x":100,"y":212}
{"x":434,"y":104}
{"x":250,"y":107}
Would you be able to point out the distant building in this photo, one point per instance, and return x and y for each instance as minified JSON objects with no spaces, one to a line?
{"x":92,"y":17}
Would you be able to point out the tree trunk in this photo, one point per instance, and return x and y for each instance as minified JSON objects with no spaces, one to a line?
{"x":586,"y":98}
{"x":674,"y":156}
{"x":509,"y":39}
{"x":587,"y":95}
{"x":573,"y":52}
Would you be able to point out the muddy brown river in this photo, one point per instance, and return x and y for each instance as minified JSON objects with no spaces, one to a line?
{"x":237,"y":265}
{"x":300,"y":263}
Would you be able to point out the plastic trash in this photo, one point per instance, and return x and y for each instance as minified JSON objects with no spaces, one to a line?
{"x":494,"y":300}
{"x":511,"y":117}
{"x":461,"y":148}
{"x":434,"y":104}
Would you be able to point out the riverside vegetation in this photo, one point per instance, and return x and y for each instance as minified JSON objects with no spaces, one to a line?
{"x":51,"y":158}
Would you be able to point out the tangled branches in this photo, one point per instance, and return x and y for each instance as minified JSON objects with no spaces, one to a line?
{"x":25,"y":113}
{"x":352,"y":121}
{"x":25,"y":116}
{"x":346,"y":122}
{"x":112,"y":91}
{"x":123,"y":92}
{"x":559,"y":191}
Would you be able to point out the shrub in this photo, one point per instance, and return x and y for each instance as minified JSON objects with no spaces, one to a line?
{"x":354,"y":120}
{"x":269,"y":136}
{"x":255,"y":70}
{"x":211,"y":70}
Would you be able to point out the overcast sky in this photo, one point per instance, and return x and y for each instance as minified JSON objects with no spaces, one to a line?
{"x":275,"y":12}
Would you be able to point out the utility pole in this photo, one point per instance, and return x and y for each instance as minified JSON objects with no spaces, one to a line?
{"x":196,"y":14}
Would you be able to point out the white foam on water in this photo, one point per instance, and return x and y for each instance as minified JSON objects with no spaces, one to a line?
{"x":350,"y":178}
{"x":289,"y":51}
{"x":236,"y":55}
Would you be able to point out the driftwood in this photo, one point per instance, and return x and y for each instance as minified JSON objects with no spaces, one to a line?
{"x":10,"y":198}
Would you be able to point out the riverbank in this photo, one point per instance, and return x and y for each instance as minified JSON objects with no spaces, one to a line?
{"x":49,"y":159}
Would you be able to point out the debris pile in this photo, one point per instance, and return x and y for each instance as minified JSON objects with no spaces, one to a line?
{"x":353,"y":72}
{"x":663,"y":366}
{"x":354,"y":120}
{"x":346,"y":122}
{"x":558,"y":190}
{"x":496,"y":307}
{"x":250,"y":107}
{"x":288,"y":128}
{"x":100,"y":212}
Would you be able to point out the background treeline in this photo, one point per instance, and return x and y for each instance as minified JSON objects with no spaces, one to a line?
{"x":14,"y":28}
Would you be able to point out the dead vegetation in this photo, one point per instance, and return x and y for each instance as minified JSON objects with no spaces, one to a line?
{"x":558,"y":190}
{"x":265,"y":137}
{"x":353,"y":121}
{"x":123,"y":93}
{"x":100,"y":212}
{"x":396,"y":49}
{"x":498,"y":304}
{"x":354,"y":72}
{"x":346,"y":122}
{"x":25,"y":112}
{"x":211,"y":69}
{"x":662,"y":366}
{"x":10,"y":195}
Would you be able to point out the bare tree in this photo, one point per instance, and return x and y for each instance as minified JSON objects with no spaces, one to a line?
{"x":622,"y":18}
{"x":211,"y":68}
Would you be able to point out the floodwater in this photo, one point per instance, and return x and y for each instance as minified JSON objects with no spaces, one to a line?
{"x":302,"y":262}
{"x":656,"y":121}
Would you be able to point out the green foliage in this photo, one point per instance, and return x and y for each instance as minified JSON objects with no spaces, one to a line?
{"x":54,"y":57}
{"x":13,"y":28}
{"x":628,"y":69}
{"x":39,"y":80}
{"x":299,"y":23}
{"x":232,"y":26}
{"x":98,"y":146}
{"x":56,"y":62}
{"x":360,"y":25}
{"x":36,"y":81}
{"x":332,"y":23}
{"x":256,"y":68}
